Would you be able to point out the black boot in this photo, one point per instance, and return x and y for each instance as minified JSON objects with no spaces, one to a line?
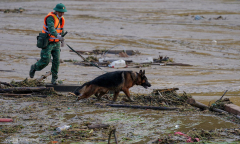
{"x":54,"y":81}
{"x":32,"y":71}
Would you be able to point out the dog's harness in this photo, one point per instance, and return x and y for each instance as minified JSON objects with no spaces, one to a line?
{"x":134,"y":77}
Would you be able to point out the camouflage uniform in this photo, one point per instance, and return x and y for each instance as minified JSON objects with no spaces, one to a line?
{"x":53,"y":49}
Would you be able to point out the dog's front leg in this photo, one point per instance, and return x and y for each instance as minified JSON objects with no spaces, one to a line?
{"x":115,"y":96}
{"x":127,"y":93}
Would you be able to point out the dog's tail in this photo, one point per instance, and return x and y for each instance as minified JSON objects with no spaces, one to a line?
{"x":77,"y":90}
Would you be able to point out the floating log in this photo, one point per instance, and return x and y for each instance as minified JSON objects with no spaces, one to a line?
{"x":98,"y":126}
{"x":140,"y":107}
{"x":24,"y":89}
{"x":6,"y":120}
{"x":44,"y":76}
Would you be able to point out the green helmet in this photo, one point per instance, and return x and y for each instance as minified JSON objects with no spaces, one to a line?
{"x":60,"y":8}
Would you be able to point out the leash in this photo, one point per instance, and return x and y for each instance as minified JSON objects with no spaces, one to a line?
{"x":84,"y":58}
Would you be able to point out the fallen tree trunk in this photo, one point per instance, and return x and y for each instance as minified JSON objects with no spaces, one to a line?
{"x":98,"y":126}
{"x":24,"y":89}
{"x":44,"y":76}
{"x":194,"y":103}
{"x":140,"y":107}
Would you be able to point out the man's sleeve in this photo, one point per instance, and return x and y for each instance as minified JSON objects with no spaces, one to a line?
{"x":51,"y":28}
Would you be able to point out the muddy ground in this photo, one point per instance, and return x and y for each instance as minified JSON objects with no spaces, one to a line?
{"x":154,"y":28}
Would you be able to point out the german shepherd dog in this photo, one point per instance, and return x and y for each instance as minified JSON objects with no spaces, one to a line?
{"x":115,"y":81}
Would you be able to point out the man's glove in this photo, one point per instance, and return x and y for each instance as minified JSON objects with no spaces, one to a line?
{"x":60,"y":37}
{"x":62,"y":43}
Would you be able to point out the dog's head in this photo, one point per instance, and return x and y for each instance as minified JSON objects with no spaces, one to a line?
{"x":142,"y":79}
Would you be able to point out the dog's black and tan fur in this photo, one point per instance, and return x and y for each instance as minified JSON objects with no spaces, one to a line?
{"x":115,"y":81}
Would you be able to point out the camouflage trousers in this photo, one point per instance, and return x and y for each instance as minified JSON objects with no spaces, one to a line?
{"x":54,"y":50}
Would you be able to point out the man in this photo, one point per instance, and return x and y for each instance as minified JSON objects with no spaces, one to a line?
{"x":53,"y":25}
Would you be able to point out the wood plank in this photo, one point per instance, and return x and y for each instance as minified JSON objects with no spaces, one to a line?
{"x":232,"y":108}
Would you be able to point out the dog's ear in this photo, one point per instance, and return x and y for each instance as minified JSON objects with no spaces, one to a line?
{"x":140,"y":72}
{"x":143,"y":73}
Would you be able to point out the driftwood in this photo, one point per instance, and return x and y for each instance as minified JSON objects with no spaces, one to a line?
{"x":5,"y":83}
{"x":15,"y":95}
{"x":222,"y":95}
{"x":7,"y":70}
{"x":168,"y":64}
{"x":21,"y":95}
{"x":128,"y":52}
{"x":123,"y":54}
{"x":156,"y":91}
{"x":44,"y":76}
{"x":24,"y":89}
{"x":140,"y":107}
{"x":98,"y":126}
{"x":194,"y":103}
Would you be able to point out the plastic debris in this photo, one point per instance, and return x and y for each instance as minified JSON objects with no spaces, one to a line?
{"x":65,"y":127}
{"x":197,"y":17}
{"x":118,"y":64}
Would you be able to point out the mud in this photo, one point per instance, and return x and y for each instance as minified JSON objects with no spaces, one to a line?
{"x":36,"y":119}
{"x":154,"y":28}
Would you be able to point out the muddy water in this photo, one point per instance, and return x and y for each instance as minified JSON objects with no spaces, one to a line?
{"x":153,"y":27}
